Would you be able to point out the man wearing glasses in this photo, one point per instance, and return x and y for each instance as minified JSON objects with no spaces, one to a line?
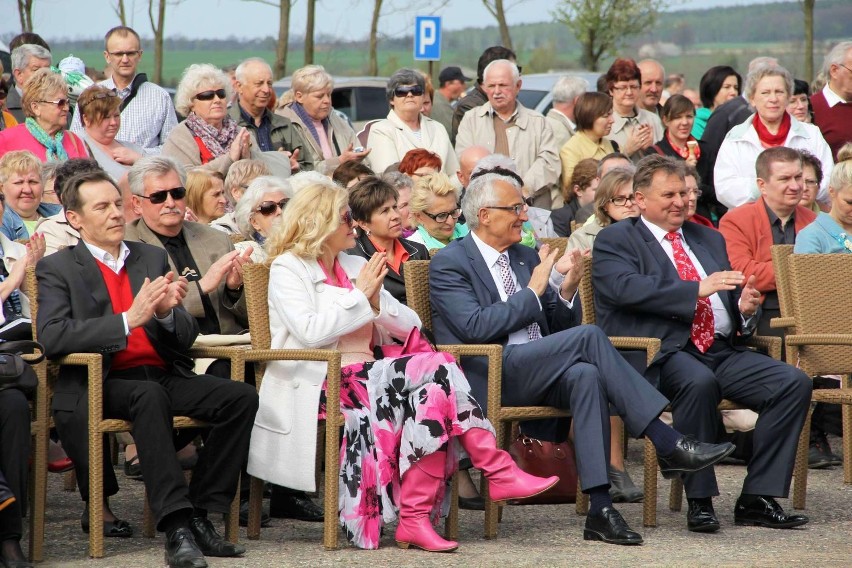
{"x":487,"y":288}
{"x":147,"y":113}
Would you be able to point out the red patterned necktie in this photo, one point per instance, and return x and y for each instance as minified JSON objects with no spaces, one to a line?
{"x":703,"y":324}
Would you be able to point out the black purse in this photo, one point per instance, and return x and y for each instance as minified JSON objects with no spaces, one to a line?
{"x":15,"y":373}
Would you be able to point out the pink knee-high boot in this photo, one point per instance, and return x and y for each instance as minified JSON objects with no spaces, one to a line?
{"x":505,"y":479}
{"x":419,"y":486}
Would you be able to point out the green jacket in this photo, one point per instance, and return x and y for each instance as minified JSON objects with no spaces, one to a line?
{"x":283,"y":135}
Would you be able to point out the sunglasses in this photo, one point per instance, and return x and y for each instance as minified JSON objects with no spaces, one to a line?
{"x":346,"y":219}
{"x":61,"y":103}
{"x":268,"y":208}
{"x":208,"y":95}
{"x":414,"y":90}
{"x":160,"y":196}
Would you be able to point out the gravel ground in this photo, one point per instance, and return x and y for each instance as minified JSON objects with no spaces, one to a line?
{"x":540,"y":536}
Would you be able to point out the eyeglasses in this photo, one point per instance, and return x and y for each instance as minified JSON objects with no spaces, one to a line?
{"x":268,"y":208}
{"x":414,"y":90}
{"x":346,"y":219}
{"x":60,"y":103}
{"x":694,"y":193}
{"x":621,"y":201}
{"x":842,"y":65}
{"x":516,"y":209}
{"x":208,"y":95}
{"x":811,"y":183}
{"x":624,"y":88}
{"x":442,"y":217}
{"x":160,"y":196}
{"x":123,"y":54}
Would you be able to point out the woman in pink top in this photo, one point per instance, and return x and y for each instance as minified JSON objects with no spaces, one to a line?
{"x":44,"y":133}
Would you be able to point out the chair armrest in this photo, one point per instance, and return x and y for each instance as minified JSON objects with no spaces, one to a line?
{"x":651,"y":345}
{"x":780,"y":323}
{"x":819,"y":339}
{"x":233,"y":353}
{"x":772,"y":345}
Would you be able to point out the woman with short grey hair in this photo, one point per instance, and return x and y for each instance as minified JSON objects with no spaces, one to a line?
{"x":406,"y":128}
{"x":331,"y":140}
{"x":258,"y":210}
{"x":208,"y":137}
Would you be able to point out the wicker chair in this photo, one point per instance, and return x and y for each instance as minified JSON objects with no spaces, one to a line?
{"x":821,"y":344}
{"x":98,"y":426}
{"x":256,"y":279}
{"x":559,"y":243}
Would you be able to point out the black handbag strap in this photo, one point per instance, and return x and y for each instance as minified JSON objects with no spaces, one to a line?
{"x":134,"y":88}
{"x":24,"y":347}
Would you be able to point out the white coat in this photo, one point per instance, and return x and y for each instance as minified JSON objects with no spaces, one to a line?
{"x":307,"y":313}
{"x":391,"y":139}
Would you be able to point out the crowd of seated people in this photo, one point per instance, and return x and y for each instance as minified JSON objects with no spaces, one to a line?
{"x":140,"y":227}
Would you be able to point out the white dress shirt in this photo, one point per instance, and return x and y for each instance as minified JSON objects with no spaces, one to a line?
{"x":721,"y":319}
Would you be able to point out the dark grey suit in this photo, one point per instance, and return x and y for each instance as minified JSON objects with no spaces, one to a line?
{"x":76,"y":315}
{"x":576,"y":368}
{"x":638,"y":293}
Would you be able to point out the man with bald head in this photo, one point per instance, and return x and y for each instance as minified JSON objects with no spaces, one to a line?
{"x":467,"y":161}
{"x":651,"y":88}
{"x":504,"y":126}
{"x":271,"y":132}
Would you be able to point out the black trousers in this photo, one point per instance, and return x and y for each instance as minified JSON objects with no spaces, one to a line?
{"x":696,"y":383}
{"x":150,"y":398}
{"x":14,"y":458}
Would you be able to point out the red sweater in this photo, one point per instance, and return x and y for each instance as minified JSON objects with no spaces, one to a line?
{"x":139,"y":351}
{"x":835,"y":122}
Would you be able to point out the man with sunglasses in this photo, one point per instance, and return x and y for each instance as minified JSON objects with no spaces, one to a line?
{"x":122,"y":300}
{"x":488,"y":288}
{"x":147,"y":113}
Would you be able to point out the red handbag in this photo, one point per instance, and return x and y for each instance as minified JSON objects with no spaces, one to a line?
{"x":544,"y":459}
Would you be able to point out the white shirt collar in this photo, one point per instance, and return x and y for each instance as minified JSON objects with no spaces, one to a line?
{"x":489,"y":253}
{"x":115,"y":264}
{"x":831,"y":97}
{"x":658,"y":232}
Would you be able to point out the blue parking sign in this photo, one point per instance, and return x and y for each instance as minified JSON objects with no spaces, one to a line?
{"x":427,"y":38}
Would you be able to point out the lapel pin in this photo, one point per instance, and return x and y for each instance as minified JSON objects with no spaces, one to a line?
{"x":521,"y":263}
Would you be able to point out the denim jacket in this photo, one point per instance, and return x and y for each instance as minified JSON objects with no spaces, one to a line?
{"x":13,"y":226}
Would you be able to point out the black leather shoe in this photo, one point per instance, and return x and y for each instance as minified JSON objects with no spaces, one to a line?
{"x":210,"y":542}
{"x":285,"y":505}
{"x":701,"y":517}
{"x":690,"y":455}
{"x":182,"y":550}
{"x":818,"y":458}
{"x":472,"y":503}
{"x":609,"y":526}
{"x":265,"y":519}
{"x":765,"y":512}
{"x":112,"y":529}
{"x":621,"y":487}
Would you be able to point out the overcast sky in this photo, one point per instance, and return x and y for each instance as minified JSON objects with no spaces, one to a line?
{"x":74,"y":19}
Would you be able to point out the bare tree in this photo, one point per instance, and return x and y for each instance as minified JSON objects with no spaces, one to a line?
{"x":808,"y":9}
{"x":374,"y":40}
{"x":25,"y":11}
{"x":281,"y":47}
{"x":309,"y":32}
{"x":496,"y":9}
{"x":601,"y":26}
{"x":120,"y":12}
{"x":157,"y":27}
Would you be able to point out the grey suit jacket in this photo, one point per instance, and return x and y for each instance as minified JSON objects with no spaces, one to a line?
{"x":207,"y":245}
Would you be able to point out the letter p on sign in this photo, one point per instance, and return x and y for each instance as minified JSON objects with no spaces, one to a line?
{"x":427,"y":38}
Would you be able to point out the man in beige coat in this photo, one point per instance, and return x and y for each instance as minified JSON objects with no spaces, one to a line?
{"x":505,"y":126}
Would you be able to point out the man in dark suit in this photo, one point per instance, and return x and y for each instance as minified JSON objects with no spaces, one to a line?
{"x":487,"y":288}
{"x":120,"y":299}
{"x":657,"y":276}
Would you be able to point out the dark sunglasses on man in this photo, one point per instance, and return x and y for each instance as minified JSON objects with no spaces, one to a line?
{"x":268,"y":208}
{"x":158,"y":197}
{"x":208,"y":95}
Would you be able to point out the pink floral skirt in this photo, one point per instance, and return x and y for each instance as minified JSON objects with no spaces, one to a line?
{"x":397,"y":411}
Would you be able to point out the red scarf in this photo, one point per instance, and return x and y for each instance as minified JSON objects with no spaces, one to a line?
{"x":684,"y":153}
{"x":768,"y":139}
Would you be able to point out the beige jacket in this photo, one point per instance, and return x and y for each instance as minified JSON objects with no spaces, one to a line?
{"x":58,"y":234}
{"x":12,"y":252}
{"x":390,"y":139}
{"x":181,"y":146}
{"x":340,"y":135}
{"x":531,"y":145}
{"x":207,"y":245}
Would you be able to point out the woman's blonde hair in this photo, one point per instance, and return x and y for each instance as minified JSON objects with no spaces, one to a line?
{"x":40,"y":87}
{"x":610,"y":184}
{"x":307,"y":222}
{"x":199,"y":182}
{"x":427,"y":186}
{"x":19,"y":162}
{"x":841,"y":175}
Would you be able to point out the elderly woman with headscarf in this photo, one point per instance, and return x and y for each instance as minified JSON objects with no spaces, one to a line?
{"x":258,"y":211}
{"x":330,"y":138}
{"x":768,"y":88}
{"x":208,"y":136}
{"x":44,"y":133}
{"x":406,"y":128}
{"x":100,"y":114}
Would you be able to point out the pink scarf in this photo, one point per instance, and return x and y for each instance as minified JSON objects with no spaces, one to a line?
{"x":339,"y":275}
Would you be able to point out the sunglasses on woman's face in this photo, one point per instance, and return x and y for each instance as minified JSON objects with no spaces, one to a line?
{"x":208,"y":95}
{"x":160,"y":196}
{"x":268,"y":208}
{"x":346,"y":219}
{"x":402,"y":92}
